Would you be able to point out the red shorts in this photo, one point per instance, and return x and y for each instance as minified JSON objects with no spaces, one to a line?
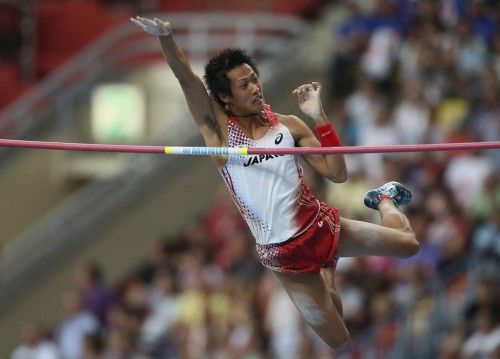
{"x":315,"y":248}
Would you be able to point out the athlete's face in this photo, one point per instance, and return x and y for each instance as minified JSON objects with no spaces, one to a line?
{"x":246,"y":91}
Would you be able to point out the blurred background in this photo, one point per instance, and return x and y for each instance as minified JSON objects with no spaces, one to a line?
{"x":141,"y":256}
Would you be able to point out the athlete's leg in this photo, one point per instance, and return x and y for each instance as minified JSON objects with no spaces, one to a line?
{"x":311,"y":298}
{"x":328,"y":275}
{"x":393,"y":238}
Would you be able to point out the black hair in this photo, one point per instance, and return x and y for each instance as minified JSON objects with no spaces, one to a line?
{"x":217,"y":68}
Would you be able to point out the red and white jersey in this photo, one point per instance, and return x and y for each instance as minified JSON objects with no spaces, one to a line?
{"x":269,"y":189}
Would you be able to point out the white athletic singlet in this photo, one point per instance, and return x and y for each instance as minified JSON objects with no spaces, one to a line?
{"x":269,"y":189}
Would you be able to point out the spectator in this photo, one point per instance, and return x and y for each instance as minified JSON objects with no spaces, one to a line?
{"x":486,"y":241}
{"x":471,"y":50}
{"x":488,"y":198}
{"x":121,"y":344}
{"x":243,"y":341}
{"x":495,"y":56}
{"x":450,"y":345}
{"x":93,"y":346}
{"x":77,"y":323}
{"x":465,"y":189}
{"x":159,"y":255}
{"x":163,"y":310}
{"x":34,"y":345}
{"x":412,"y":115}
{"x":349,"y":41}
{"x":97,"y":295}
{"x":485,"y":339}
{"x":381,"y":132}
{"x":362,"y":103}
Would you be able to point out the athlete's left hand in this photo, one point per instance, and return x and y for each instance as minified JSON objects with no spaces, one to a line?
{"x":308,"y":97}
{"x":155,"y":27}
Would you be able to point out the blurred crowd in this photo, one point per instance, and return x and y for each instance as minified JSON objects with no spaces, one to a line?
{"x":402,"y":72}
{"x":413,"y":72}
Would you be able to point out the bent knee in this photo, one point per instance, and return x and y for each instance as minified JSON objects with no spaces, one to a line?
{"x":411,"y":246}
{"x":340,"y":339}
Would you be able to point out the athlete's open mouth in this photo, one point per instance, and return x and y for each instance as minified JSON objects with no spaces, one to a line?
{"x":258,"y":99}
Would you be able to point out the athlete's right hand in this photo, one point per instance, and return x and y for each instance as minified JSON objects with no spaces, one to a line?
{"x":154,"y":27}
{"x":308,"y":97}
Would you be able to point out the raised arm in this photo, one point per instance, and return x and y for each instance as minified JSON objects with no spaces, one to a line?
{"x":207,"y":114}
{"x":332,"y":167}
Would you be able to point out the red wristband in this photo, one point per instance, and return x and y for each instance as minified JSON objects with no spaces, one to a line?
{"x":327,"y":135}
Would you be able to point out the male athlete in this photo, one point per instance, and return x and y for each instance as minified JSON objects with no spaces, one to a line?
{"x":297,"y":236}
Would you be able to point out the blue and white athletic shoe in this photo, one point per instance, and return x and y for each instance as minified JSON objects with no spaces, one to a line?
{"x":394,"y":190}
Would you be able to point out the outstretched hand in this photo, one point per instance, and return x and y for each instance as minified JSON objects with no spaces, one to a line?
{"x":308,"y":97}
{"x":154,"y":27}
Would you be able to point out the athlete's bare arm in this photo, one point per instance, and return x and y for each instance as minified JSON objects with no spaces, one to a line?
{"x":332,"y":167}
{"x":207,"y":114}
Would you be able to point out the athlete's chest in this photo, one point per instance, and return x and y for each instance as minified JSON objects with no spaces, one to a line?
{"x":277,"y":136}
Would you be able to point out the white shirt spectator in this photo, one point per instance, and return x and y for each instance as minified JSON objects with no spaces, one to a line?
{"x":362,"y":104}
{"x":472,"y":55}
{"x":34,"y":345}
{"x":42,"y":350}
{"x":76,"y":324}
{"x":382,"y":132}
{"x":465,"y":176}
{"x":482,"y":345}
{"x":71,"y":332}
{"x":380,"y":55}
{"x":412,"y":117}
{"x":163,"y":315}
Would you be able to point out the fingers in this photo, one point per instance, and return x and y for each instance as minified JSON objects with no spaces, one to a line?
{"x":142,"y":22}
{"x":153,"y":27}
{"x":314,"y":86}
{"x":139,"y":20}
{"x":317,"y":86}
{"x":304,"y":92}
{"x":138,"y":23}
{"x":302,"y":89}
{"x":148,"y":22}
{"x":145,"y":21}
